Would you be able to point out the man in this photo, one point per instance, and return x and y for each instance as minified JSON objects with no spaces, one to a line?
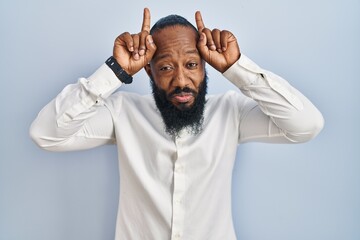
{"x":176,"y":148}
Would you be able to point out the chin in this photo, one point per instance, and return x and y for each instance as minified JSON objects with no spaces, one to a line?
{"x":184,"y":106}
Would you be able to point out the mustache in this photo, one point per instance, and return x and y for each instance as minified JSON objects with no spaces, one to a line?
{"x":179,"y":90}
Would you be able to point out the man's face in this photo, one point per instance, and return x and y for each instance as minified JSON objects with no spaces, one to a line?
{"x":178,"y":79}
{"x":177,"y":65}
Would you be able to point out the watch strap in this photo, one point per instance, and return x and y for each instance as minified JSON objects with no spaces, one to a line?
{"x":121,"y":74}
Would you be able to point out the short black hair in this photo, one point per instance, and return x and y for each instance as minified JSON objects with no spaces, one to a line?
{"x":171,"y":20}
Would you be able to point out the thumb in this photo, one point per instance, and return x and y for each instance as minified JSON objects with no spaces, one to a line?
{"x":201,"y":45}
{"x":150,"y":48}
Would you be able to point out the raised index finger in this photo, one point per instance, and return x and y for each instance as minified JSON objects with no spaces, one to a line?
{"x":146,"y":21}
{"x":199,"y":22}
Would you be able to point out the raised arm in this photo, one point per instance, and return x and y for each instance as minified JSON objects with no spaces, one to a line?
{"x":278,"y":112}
{"x":78,"y":117}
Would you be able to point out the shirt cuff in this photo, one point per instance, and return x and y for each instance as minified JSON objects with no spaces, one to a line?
{"x":103,"y":82}
{"x":244,"y":72}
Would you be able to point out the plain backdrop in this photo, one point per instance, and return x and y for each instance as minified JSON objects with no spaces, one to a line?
{"x":280,"y":192}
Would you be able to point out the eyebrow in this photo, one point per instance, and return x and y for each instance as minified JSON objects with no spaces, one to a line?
{"x":166,"y":55}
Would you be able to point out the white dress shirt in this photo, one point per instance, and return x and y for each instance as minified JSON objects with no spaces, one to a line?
{"x":176,"y":188}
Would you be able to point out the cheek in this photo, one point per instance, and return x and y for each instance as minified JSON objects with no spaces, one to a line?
{"x":198,"y":79}
{"x":161,"y":82}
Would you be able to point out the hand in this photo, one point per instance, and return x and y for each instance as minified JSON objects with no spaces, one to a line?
{"x":218,"y":48}
{"x":134,"y":51}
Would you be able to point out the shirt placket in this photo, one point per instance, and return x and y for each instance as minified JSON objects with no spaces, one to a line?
{"x":178,"y":194}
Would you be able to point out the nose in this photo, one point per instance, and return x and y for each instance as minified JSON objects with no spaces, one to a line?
{"x":181,"y":79}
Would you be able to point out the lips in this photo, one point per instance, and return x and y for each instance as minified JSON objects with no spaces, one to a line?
{"x":183,"y":97}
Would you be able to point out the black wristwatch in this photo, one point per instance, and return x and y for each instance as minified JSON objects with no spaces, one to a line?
{"x":122,"y":75}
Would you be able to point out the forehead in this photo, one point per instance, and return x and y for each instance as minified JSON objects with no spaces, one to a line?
{"x":175,"y":40}
{"x":175,"y":28}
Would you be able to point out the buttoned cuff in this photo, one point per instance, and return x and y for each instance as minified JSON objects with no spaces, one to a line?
{"x":244,"y":72}
{"x":103,"y":82}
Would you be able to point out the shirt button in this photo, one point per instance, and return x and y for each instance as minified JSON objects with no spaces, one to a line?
{"x":177,"y":235}
{"x":177,"y":201}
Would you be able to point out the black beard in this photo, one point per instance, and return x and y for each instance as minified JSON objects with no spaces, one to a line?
{"x":176,"y":119}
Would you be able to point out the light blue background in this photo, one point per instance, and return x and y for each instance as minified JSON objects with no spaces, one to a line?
{"x":280,"y":192}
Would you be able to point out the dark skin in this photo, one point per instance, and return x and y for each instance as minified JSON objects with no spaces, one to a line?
{"x":174,"y":57}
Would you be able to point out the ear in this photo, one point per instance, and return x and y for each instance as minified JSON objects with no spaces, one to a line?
{"x":148,"y":70}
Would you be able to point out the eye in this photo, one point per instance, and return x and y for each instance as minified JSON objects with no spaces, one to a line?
{"x":166,"y":68}
{"x":192,"y":65}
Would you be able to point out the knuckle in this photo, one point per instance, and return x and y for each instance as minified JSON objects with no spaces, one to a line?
{"x":144,"y":34}
{"x":124,"y":35}
{"x":135,"y":37}
{"x":206,"y":30}
{"x":226,"y":32}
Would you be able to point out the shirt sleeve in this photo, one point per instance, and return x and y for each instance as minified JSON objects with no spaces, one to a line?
{"x":78,"y":118}
{"x":277,"y":113}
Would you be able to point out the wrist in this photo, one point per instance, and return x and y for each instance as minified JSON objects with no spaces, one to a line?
{"x":120,"y":73}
